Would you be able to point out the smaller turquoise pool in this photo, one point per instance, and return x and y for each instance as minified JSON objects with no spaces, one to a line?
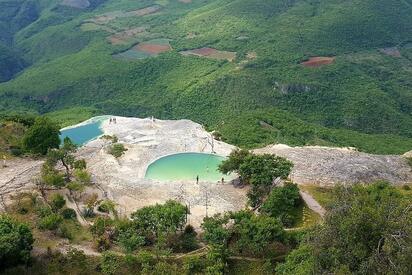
{"x":187,"y":166}
{"x":84,"y":133}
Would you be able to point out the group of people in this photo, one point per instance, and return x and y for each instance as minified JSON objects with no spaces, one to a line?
{"x":197,"y":180}
{"x":112,"y":120}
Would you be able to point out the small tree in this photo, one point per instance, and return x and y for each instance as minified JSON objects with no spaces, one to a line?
{"x":117,"y":150}
{"x":64,"y":155}
{"x":233,"y":162}
{"x":41,"y":136}
{"x":257,"y":170}
{"x":281,"y":202}
{"x":16,"y":242}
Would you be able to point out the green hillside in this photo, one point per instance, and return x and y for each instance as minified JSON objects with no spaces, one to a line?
{"x":362,"y":99}
{"x":10,"y":63}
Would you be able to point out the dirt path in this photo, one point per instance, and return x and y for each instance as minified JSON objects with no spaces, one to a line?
{"x":312,"y":203}
{"x":65,"y":248}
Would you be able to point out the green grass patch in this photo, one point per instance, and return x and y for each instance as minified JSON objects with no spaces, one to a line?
{"x":323,"y":195}
{"x":71,"y":116}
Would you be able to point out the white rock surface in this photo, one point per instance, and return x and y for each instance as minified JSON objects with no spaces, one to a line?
{"x":330,"y":166}
{"x":146,"y":141}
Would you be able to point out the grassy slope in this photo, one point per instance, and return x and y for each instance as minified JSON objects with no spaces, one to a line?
{"x":364,"y":91}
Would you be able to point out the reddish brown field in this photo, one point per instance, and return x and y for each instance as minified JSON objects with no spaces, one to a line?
{"x":318,"y":61}
{"x":153,"y":48}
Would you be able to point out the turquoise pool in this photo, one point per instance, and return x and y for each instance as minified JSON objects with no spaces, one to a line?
{"x":187,"y":166}
{"x":83,"y":133}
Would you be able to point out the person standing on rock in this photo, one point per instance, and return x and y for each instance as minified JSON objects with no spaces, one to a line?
{"x":197,"y":179}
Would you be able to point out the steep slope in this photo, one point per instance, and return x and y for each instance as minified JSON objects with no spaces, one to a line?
{"x":10,"y":63}
{"x":362,"y":98}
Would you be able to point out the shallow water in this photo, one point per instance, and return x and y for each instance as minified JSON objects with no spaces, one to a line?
{"x":84,"y":133}
{"x":187,"y":166}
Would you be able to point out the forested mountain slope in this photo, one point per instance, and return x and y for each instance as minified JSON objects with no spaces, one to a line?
{"x":255,"y":92}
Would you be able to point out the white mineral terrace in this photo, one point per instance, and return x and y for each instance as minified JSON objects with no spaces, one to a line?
{"x":147,"y":140}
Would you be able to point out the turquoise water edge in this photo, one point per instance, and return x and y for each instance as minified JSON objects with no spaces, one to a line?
{"x":82,"y":134}
{"x":187,"y":166}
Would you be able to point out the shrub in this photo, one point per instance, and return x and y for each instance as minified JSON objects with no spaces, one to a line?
{"x":102,"y":243}
{"x":82,"y":176}
{"x":43,"y":211}
{"x":130,"y":240}
{"x":88,"y":213}
{"x":107,"y":206}
{"x":15,"y":151}
{"x":112,"y":138}
{"x":80,"y":164}
{"x":64,"y":231}
{"x":50,"y":222}
{"x":57,"y":202}
{"x":406,"y":187}
{"x":145,"y":258}
{"x":117,"y":150}
{"x":194,"y":265}
{"x":53,"y":178}
{"x":41,"y":136}
{"x":109,"y":263}
{"x":16,"y":242}
{"x":77,"y":257}
{"x":281,"y":203}
{"x":68,"y":213}
{"x":184,"y":242}
{"x":101,"y":225}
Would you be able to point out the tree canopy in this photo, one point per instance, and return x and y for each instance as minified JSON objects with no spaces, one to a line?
{"x":41,"y":136}
{"x":281,"y":202}
{"x":258,"y":170}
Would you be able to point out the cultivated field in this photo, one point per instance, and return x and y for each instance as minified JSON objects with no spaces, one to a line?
{"x":146,"y":49}
{"x":110,"y":16}
{"x":318,"y":61}
{"x":211,"y":53}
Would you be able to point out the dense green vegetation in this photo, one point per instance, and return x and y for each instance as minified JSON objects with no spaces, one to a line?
{"x":15,"y":242}
{"x":41,"y":136}
{"x":366,"y":231}
{"x":117,"y":150}
{"x":361,"y":100}
{"x":10,"y":63}
{"x":261,"y":172}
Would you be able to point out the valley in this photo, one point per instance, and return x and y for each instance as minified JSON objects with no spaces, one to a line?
{"x":206,"y":137}
{"x":361,"y":99}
